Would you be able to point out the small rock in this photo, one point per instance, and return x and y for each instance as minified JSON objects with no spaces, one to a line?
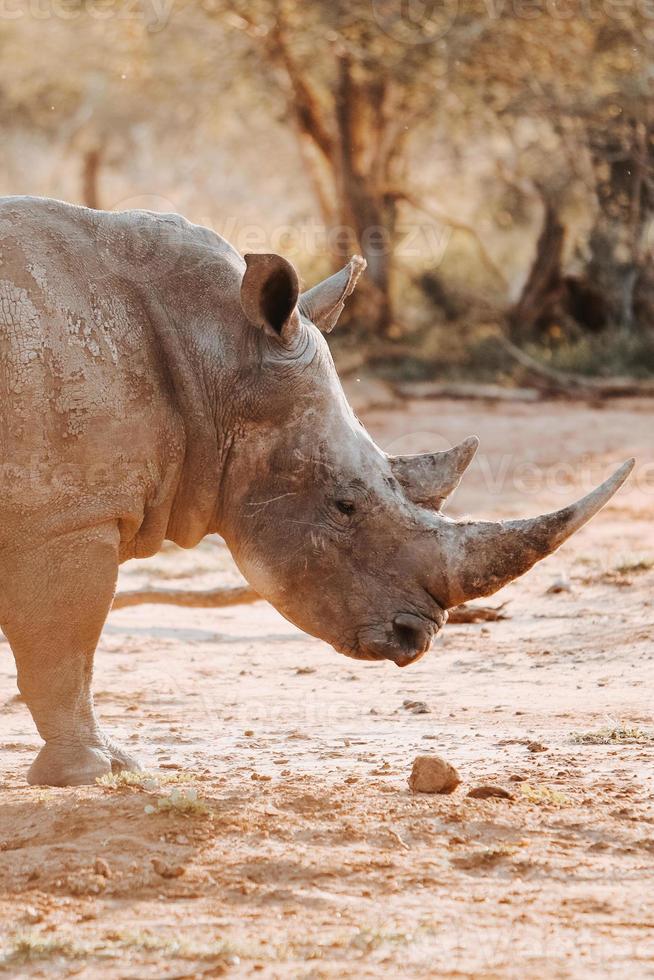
{"x":536,"y":747}
{"x":431,"y":774}
{"x":517,"y":778}
{"x":102,"y":868}
{"x":416,"y":707}
{"x":490,"y":792}
{"x":32,"y":915}
{"x":167,"y":870}
{"x":560,"y":584}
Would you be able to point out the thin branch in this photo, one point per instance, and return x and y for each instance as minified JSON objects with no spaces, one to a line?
{"x":318,"y":176}
{"x":195,"y":598}
{"x":464,"y":614}
{"x":456,"y":225}
{"x":305,"y":105}
{"x":219,"y":598}
{"x":576,"y":385}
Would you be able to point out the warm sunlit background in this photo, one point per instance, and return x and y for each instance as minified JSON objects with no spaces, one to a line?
{"x":492,"y":161}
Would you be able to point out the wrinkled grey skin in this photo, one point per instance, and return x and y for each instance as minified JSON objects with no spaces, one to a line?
{"x":154,"y":387}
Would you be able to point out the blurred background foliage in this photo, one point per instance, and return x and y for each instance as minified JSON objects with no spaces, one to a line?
{"x":492,"y":159}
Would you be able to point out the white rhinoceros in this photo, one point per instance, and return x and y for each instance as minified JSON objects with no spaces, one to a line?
{"x":155,"y":385}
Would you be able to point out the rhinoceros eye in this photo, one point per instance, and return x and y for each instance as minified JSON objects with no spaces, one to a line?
{"x":346,"y":507}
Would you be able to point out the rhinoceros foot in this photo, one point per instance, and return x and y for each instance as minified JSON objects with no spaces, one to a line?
{"x":76,"y":764}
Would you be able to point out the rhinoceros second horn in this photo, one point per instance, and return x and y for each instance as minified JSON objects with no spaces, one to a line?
{"x":429,"y":478}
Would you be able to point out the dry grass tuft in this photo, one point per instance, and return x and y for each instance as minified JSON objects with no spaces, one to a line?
{"x":543,"y":795}
{"x":632,"y":566}
{"x":180,"y":801}
{"x":28,"y":947}
{"x":143,"y":780}
{"x":618,"y":734}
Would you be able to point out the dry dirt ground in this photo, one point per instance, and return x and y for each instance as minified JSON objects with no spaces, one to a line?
{"x":277,"y":836}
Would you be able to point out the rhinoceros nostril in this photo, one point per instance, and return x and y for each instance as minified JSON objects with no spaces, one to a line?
{"x":413,"y":633}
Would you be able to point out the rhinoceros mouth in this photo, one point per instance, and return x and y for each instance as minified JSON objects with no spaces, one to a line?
{"x":403,"y":642}
{"x":399,"y":658}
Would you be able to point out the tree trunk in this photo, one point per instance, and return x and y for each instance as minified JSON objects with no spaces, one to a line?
{"x":368,"y":210}
{"x":90,"y":172}
{"x":349,"y":163}
{"x":544,"y":288}
{"x":620,"y":263}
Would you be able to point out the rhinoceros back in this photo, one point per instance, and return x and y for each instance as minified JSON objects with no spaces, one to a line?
{"x":83,"y":390}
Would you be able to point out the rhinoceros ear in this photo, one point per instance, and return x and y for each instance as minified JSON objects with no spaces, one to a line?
{"x":323,"y":304}
{"x":269,"y":294}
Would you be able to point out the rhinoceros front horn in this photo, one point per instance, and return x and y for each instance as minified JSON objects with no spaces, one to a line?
{"x":477,"y":558}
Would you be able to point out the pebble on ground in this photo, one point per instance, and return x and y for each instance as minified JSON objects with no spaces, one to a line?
{"x":431,"y":774}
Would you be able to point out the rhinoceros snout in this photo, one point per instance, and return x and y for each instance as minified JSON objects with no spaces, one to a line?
{"x":414,"y":635}
{"x":407,"y":639}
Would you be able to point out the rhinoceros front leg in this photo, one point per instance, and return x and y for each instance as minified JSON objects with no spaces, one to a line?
{"x":56,"y":598}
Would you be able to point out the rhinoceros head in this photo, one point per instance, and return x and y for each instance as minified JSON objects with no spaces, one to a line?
{"x":345,"y":541}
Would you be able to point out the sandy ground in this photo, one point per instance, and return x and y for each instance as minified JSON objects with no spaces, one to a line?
{"x":305,"y":854}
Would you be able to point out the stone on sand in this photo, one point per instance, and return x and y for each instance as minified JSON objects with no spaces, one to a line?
{"x":489,"y":791}
{"x":431,"y":774}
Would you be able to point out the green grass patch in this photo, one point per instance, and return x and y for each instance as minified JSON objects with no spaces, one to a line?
{"x":609,"y":353}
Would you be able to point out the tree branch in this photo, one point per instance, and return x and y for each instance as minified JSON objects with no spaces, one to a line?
{"x":456,"y":225}
{"x":305,"y":105}
{"x":576,"y":385}
{"x":195,"y":598}
{"x":219,"y":598}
